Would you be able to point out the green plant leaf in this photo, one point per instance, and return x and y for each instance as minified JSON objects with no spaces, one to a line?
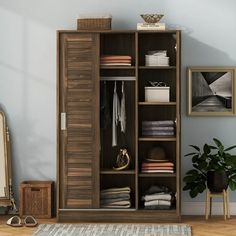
{"x":202,"y":165}
{"x":190,"y":178}
{"x":195,"y":158}
{"x":193,"y":192}
{"x":218,"y":143}
{"x":187,"y":187}
{"x":190,"y":154}
{"x":201,"y":187}
{"x":212,"y":147}
{"x":230,"y":148}
{"x":206,"y":149}
{"x":192,"y":172}
{"x":232,"y":184}
{"x":203,"y":157}
{"x":195,"y":147}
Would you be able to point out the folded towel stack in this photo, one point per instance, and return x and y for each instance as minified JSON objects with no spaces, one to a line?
{"x":158,"y":128}
{"x":157,"y":198}
{"x":114,"y":60}
{"x":156,"y":166}
{"x":116,"y":198}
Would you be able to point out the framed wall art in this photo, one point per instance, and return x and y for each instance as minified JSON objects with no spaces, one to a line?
{"x":211,"y":91}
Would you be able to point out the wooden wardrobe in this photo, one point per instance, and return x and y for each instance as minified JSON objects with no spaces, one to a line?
{"x":85,"y":154}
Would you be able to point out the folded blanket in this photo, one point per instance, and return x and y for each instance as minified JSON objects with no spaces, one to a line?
{"x":119,"y":204}
{"x":114,"y":192}
{"x":157,"y":196}
{"x":116,"y":207}
{"x":107,"y":201}
{"x":157,"y":207}
{"x":157,"y":133}
{"x":157,"y":203}
{"x":115,"y":57}
{"x":158,"y":171}
{"x":156,"y":128}
{"x":157,"y":168}
{"x":158,"y":123}
{"x":152,"y":164}
{"x":114,"y":61}
{"x":112,"y":196}
{"x":116,"y":189}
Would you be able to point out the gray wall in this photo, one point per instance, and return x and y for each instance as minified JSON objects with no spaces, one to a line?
{"x":28,"y":68}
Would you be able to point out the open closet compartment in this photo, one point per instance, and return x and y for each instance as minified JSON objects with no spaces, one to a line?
{"x":117,"y":120}
{"x":163,"y":77}
{"x":159,"y":122}
{"x":151,"y":43}
{"x":117,"y":191}
{"x":145,"y":149}
{"x":125,"y":139}
{"x":157,"y":194}
{"x":118,"y":44}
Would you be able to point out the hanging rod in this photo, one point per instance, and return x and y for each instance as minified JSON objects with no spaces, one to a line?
{"x":117,"y":78}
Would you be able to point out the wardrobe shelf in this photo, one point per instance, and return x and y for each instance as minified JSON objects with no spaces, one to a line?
{"x":157,"y":67}
{"x":157,"y":103}
{"x":117,"y":209}
{"x":114,"y":172}
{"x":159,"y":211}
{"x":157,"y":175}
{"x":117,"y":67}
{"x":169,"y":138}
{"x":117,"y":78}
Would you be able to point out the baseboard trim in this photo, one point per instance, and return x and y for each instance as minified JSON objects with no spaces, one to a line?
{"x":198,"y":208}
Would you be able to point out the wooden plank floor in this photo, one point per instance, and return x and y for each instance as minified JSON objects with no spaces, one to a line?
{"x":215,"y":226}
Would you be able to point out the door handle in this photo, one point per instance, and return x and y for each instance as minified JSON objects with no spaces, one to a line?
{"x":63,"y":121}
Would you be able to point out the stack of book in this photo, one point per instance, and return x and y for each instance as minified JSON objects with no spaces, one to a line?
{"x":157,"y":166}
{"x":157,"y":58}
{"x":151,"y":26}
{"x":158,"y":128}
{"x":114,"y":60}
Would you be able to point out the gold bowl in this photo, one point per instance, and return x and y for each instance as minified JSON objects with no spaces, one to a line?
{"x":151,"y":18}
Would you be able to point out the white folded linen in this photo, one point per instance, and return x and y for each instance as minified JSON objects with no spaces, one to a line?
{"x":157,"y":196}
{"x":115,"y":190}
{"x":157,"y":203}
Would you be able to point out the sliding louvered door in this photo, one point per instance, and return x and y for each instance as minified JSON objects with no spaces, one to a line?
{"x":79,"y":120}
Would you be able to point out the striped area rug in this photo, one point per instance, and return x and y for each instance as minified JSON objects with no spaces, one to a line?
{"x":113,"y":230}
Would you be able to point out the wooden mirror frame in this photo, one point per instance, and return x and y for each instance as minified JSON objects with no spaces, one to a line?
{"x":7,"y":200}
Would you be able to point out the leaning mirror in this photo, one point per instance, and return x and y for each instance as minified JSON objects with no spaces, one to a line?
{"x":6,"y":196}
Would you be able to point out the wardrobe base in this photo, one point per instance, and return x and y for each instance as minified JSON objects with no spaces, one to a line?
{"x":126,"y":216}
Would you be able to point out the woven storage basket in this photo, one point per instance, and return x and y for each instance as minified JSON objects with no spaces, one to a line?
{"x":36,"y":199}
{"x":94,"y":23}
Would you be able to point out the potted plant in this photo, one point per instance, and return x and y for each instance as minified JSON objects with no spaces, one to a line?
{"x":213,"y":167}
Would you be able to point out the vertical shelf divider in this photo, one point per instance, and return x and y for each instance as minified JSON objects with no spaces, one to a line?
{"x":136,"y":123}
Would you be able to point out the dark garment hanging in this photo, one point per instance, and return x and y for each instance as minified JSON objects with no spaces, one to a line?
{"x":105,"y":113}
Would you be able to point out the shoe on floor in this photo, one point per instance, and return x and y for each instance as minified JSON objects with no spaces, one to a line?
{"x":14,"y":221}
{"x":30,"y":221}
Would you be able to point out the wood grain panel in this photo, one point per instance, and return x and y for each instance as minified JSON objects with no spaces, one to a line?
{"x":79,"y":76}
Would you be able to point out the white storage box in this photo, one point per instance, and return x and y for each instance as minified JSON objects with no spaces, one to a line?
{"x":157,"y":94}
{"x":151,"y":60}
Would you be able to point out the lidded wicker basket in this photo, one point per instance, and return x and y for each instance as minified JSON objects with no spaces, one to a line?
{"x":85,"y":22}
